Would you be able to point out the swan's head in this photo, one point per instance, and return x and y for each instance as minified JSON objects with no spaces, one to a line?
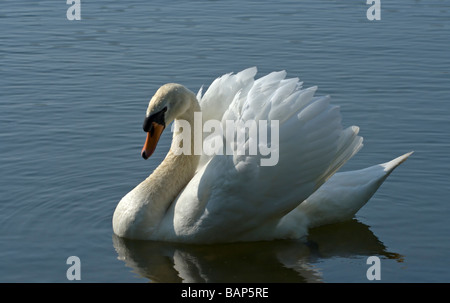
{"x":171,"y":101}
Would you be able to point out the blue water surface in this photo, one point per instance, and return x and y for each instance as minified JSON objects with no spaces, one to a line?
{"x":73,"y":96}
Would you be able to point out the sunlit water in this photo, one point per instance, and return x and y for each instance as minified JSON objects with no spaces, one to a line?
{"x":73,"y":96}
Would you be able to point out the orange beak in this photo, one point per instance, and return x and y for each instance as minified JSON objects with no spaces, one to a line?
{"x":152,"y":140}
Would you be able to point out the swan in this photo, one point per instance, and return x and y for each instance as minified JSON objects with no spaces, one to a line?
{"x":200,"y":197}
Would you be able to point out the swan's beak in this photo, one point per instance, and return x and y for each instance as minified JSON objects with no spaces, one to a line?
{"x":152,"y":140}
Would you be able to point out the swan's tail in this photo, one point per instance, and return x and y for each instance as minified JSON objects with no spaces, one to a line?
{"x":342,"y":195}
{"x":391,"y":165}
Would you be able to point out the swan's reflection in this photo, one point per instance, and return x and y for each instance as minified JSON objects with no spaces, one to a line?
{"x":274,"y":261}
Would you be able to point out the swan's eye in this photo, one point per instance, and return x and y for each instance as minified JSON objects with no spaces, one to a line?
{"x":147,"y":124}
{"x":157,"y":118}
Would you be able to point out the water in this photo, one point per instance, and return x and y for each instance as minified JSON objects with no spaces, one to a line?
{"x":73,"y":96}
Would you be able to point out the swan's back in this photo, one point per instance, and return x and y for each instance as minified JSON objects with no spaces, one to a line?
{"x":235,"y":197}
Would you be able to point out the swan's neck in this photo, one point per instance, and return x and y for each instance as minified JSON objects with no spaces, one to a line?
{"x":149,"y":201}
{"x":140,"y":212}
{"x":172,"y":175}
{"x":161,"y":188}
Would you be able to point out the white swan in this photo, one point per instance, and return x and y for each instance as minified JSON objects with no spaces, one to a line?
{"x":225,"y":198}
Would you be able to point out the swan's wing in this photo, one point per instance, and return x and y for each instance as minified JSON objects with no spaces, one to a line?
{"x":232,"y":195}
{"x":221,"y":92}
{"x":219,"y":95}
